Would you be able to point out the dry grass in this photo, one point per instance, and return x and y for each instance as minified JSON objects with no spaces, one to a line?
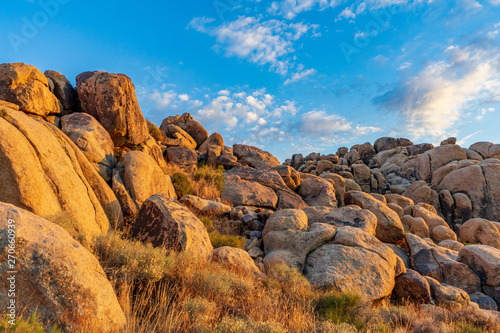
{"x":178,"y":293}
{"x":206,"y":182}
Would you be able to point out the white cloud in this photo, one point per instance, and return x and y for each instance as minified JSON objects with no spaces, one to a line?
{"x":184,"y":97}
{"x":434,"y":100}
{"x":291,"y":8}
{"x":261,"y":42}
{"x":300,"y":75}
{"x":323,"y":125}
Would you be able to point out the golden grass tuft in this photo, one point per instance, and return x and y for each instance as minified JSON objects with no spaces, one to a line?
{"x":205,"y":182}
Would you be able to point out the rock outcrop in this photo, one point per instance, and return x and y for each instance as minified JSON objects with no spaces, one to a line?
{"x":43,"y":171}
{"x":110,"y":98}
{"x":166,"y":223}
{"x":57,"y":277}
{"x":28,"y":88}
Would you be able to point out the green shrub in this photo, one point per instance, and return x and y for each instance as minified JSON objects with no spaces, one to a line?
{"x":208,"y":223}
{"x":3,"y":113}
{"x":209,"y":174}
{"x":219,"y":240}
{"x":155,"y":132}
{"x":339,"y":308}
{"x":181,"y":184}
{"x":30,"y":325}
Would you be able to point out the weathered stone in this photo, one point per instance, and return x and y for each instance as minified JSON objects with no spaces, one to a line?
{"x":111,"y":100}
{"x":177,"y":133}
{"x":362,"y":176}
{"x":339,"y":186}
{"x":144,"y":178}
{"x":413,"y":287}
{"x":287,"y":238}
{"x":419,"y":192}
{"x":43,"y":171}
{"x":440,"y":264}
{"x":205,"y":206}
{"x":238,"y":191}
{"x":163,"y":222}
{"x":448,"y":297}
{"x":254,"y":157}
{"x":462,"y":211}
{"x":416,"y":225}
{"x":350,"y":269}
{"x":64,"y":91}
{"x":389,"y":226}
{"x":387,"y":143}
{"x":236,"y":259}
{"x":484,"y":261}
{"x":352,"y":216}
{"x":398,"y":199}
{"x":480,"y":231}
{"x":28,"y":88}
{"x":485,"y":302}
{"x":93,"y":140}
{"x":183,"y":157}
{"x":366,"y":152}
{"x":451,"y":244}
{"x":188,"y":124}
{"x":317,"y":191}
{"x":432,"y":160}
{"x":57,"y":277}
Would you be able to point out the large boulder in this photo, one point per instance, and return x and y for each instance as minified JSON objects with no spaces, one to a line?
{"x":43,"y":171}
{"x":389,"y":227}
{"x":183,"y":157}
{"x":448,"y":297}
{"x":262,"y":188}
{"x":236,"y":259}
{"x":64,"y":91}
{"x":352,"y":216}
{"x":93,"y":140}
{"x":480,"y":231}
{"x":163,"y":222}
{"x":412,"y":286}
{"x":387,"y":143}
{"x":432,"y":160}
{"x":188,"y":124}
{"x":441,"y":264}
{"x":27,"y":87}
{"x":484,"y":261}
{"x":110,"y":98}
{"x":353,"y":262}
{"x":179,"y":137}
{"x":254,"y":157}
{"x":55,"y":276}
{"x":481,"y":183}
{"x":288,"y":238}
{"x":144,"y":178}
{"x":317,"y":191}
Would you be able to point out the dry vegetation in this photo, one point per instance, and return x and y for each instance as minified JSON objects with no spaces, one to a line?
{"x":171,"y":292}
{"x":206,"y":182}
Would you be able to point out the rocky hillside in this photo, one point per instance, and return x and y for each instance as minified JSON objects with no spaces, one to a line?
{"x":391,"y":222}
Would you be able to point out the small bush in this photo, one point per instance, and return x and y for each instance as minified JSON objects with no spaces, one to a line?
{"x":211,"y":175}
{"x":339,"y":308}
{"x":3,"y":113}
{"x":219,"y":240}
{"x":30,"y":325}
{"x":155,"y":132}
{"x":181,"y":184}
{"x":208,"y":223}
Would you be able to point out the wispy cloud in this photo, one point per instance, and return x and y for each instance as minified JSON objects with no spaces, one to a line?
{"x":263,"y":42}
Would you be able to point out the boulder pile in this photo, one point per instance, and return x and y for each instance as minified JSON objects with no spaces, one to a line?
{"x":392,"y":221}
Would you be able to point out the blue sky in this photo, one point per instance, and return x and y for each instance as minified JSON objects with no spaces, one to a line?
{"x":286,"y":75}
